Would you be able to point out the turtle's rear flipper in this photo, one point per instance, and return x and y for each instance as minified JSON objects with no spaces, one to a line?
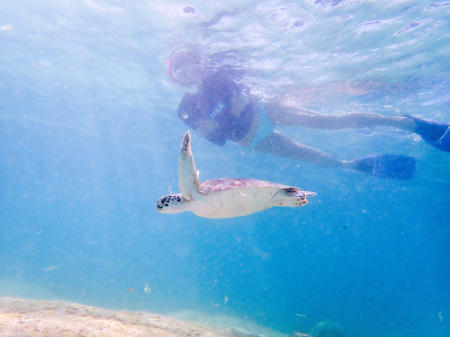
{"x":292,"y":197}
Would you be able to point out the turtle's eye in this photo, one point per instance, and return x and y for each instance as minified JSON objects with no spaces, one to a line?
{"x":163,"y":202}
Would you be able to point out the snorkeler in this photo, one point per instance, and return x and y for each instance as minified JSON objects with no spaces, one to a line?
{"x":223,"y":110}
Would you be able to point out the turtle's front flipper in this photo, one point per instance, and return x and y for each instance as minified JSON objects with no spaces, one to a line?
{"x":187,"y":173}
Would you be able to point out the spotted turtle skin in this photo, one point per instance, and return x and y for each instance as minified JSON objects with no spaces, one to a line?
{"x":169,"y":200}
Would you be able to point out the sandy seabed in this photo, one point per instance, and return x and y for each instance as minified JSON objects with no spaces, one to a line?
{"x":26,"y":318}
{"x":21,"y":317}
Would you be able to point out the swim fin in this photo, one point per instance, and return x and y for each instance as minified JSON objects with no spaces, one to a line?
{"x":434,"y":133}
{"x":387,"y":166}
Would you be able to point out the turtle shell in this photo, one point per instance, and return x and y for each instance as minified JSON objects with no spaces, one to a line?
{"x":223,"y":184}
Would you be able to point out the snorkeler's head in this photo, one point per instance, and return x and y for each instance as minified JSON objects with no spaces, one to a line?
{"x":186,"y":67}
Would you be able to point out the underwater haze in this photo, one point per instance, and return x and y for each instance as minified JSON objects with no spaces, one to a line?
{"x":89,"y":141}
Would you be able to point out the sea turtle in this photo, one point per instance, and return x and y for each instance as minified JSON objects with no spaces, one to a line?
{"x":225,"y":197}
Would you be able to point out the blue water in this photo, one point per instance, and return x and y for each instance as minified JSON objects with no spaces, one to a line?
{"x":89,"y":141}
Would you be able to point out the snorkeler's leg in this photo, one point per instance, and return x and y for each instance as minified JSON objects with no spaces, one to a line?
{"x":297,"y":116}
{"x":381,"y":166}
{"x":434,"y":133}
{"x":280,"y":145}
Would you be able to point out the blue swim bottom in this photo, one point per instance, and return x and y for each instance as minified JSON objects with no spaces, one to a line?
{"x":265,"y":126}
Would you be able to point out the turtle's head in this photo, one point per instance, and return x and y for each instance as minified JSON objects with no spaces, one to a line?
{"x":171,"y":203}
